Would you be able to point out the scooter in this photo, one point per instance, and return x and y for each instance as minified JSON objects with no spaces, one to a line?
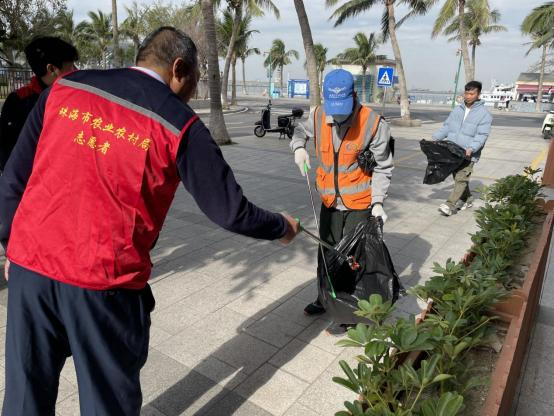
{"x":285,"y":123}
{"x":548,"y":126}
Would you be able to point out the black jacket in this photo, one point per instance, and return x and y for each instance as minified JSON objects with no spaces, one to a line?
{"x":16,"y":108}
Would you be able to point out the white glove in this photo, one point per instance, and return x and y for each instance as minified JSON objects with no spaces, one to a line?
{"x":301,"y":156}
{"x":378,"y":211}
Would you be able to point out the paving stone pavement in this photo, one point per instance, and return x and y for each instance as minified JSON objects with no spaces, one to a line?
{"x":228,"y":333}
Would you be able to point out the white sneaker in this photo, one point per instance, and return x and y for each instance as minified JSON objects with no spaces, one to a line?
{"x":445,"y":210}
{"x":466,"y":205}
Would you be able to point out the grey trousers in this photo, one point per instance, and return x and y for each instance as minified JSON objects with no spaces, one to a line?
{"x":461,"y":190}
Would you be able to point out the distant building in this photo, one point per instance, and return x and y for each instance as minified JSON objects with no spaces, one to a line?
{"x":371,"y":76}
{"x":527,"y":86}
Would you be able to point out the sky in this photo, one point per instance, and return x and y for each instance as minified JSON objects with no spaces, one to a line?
{"x":429,"y":63}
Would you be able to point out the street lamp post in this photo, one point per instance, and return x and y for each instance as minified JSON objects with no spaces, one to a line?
{"x":269,"y":74}
{"x":457,"y":78}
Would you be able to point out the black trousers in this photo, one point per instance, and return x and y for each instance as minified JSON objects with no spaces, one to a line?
{"x":334,"y":224}
{"x":107,"y":332}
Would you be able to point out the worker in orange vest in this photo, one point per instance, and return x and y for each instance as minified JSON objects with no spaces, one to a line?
{"x":341,"y":130}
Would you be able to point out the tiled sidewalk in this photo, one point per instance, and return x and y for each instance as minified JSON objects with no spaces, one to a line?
{"x":228,"y":333}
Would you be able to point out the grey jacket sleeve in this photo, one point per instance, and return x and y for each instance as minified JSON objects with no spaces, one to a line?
{"x":382,"y":173}
{"x":303,"y":132}
{"x":442,"y":133}
{"x":483,"y":131}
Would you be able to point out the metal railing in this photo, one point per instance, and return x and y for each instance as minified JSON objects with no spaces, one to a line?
{"x":13,"y":78}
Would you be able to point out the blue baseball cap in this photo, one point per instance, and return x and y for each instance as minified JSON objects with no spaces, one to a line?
{"x":338,"y":93}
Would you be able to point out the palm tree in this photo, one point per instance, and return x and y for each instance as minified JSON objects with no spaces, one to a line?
{"x":352,"y":8}
{"x":540,"y":25}
{"x":363,"y":55}
{"x":321,"y":60}
{"x":480,"y":20}
{"x":224,"y":30}
{"x":97,"y":34}
{"x":238,"y":7}
{"x":309,"y":49}
{"x":243,"y":55}
{"x":65,"y":26}
{"x":116,"y":51}
{"x":446,"y":14}
{"x":217,"y":121}
{"x":243,"y":51}
{"x":278,"y":57}
{"x":133,"y":26}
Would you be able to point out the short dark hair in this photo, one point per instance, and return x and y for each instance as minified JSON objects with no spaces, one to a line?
{"x":474,"y":85}
{"x":46,"y":50}
{"x":164,"y":45}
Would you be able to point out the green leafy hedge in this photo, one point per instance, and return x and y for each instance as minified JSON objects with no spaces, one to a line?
{"x":387,"y":384}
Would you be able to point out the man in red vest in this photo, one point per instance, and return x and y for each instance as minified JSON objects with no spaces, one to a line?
{"x":340,"y":131}
{"x":82,"y":202}
{"x":49,"y":57}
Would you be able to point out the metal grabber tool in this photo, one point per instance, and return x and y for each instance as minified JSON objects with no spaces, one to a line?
{"x":321,"y":243}
{"x":354,"y":265}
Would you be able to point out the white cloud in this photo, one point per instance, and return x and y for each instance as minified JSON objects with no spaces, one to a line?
{"x":430,"y":63}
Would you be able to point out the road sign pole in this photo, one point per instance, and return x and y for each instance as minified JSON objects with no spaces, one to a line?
{"x":384,"y":101}
{"x":385,"y":79}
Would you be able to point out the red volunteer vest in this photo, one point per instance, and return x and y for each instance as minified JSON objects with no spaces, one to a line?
{"x":103,"y":179}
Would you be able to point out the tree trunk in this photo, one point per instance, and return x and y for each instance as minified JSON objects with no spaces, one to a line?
{"x":541,"y":81}
{"x":230,"y":51}
{"x":364,"y":69}
{"x":115,"y":30}
{"x":404,"y":104}
{"x":473,"y":49}
{"x":217,"y":121}
{"x":281,"y":79}
{"x":311,"y":64}
{"x":463,"y":41}
{"x":136,"y":43}
{"x":243,"y":78}
{"x":234,"y":81}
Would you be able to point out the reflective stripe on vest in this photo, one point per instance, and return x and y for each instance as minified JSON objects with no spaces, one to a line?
{"x":340,"y":170}
{"x":104,"y":176}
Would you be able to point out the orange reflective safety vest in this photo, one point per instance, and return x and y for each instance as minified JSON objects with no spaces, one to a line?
{"x":338,"y":173}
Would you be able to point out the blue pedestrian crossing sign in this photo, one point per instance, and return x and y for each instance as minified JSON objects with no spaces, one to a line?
{"x":385,"y":76}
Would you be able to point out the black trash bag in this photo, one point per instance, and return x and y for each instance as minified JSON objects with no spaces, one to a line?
{"x":376,"y":274}
{"x":443,"y":158}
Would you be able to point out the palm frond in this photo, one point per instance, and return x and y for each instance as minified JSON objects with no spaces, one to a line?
{"x":350,"y":9}
{"x":447,"y":12}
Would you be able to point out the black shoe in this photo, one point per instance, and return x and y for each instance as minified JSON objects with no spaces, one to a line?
{"x":314,"y":308}
{"x":338,"y":330}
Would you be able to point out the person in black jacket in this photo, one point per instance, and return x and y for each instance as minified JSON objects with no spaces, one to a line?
{"x":49,"y":57}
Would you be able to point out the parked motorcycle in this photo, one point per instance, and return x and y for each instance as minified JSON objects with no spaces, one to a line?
{"x":548,"y":126}
{"x":285,"y":123}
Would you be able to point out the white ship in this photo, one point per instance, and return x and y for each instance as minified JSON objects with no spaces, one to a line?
{"x":499,"y":95}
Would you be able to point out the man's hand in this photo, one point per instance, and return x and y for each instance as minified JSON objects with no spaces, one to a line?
{"x":302,"y":157}
{"x":293,"y":228}
{"x":469,"y":152}
{"x":378,"y":211}
{"x":6,"y":269}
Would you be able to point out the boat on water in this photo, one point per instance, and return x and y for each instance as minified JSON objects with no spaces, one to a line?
{"x":499,"y":95}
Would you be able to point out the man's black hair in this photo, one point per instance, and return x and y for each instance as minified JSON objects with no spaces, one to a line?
{"x":474,"y":85}
{"x":46,"y":50}
{"x":164,"y":45}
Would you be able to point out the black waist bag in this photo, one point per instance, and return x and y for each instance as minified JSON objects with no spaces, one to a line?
{"x":443,"y":158}
{"x":340,"y":291}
